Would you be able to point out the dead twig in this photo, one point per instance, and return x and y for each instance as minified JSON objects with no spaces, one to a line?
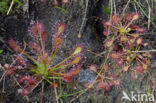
{"x":125,"y":7}
{"x":149,"y":14}
{"x":17,"y":82}
{"x":2,"y":76}
{"x":96,"y":54}
{"x":144,"y":51}
{"x":3,"y":90}
{"x":56,"y":95}
{"x":19,"y":54}
{"x":11,"y":5}
{"x":84,"y":19}
{"x":76,"y":97}
{"x":42,"y":92}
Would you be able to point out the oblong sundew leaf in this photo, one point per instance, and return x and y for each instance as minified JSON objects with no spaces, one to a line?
{"x":61,"y":28}
{"x":76,"y":60}
{"x":78,"y":50}
{"x":58,"y":41}
{"x":1,"y":51}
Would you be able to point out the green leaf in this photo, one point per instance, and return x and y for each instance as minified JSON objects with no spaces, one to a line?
{"x":18,"y":2}
{"x":63,"y":11}
{"x":107,"y":10}
{"x":35,"y":71}
{"x":3,"y":7}
{"x":1,"y":51}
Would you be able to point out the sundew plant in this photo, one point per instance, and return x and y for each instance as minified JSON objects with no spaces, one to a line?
{"x":43,"y":68}
{"x":122,"y":51}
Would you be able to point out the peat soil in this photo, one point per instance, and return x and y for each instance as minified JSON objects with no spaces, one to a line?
{"x":17,"y":26}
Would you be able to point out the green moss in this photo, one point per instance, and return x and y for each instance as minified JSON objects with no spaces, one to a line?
{"x":4,"y":6}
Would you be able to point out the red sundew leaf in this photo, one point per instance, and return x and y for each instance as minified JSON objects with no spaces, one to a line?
{"x":76,"y":71}
{"x":140,"y":30}
{"x":108,"y":43}
{"x":107,"y":67}
{"x":117,"y":82}
{"x":76,"y":60}
{"x":54,"y":85}
{"x":37,"y":29}
{"x":134,"y":26}
{"x":129,"y":17}
{"x":45,"y":58}
{"x":125,"y":51}
{"x":34,"y":31}
{"x":145,"y":66}
{"x":44,"y":37}
{"x":48,"y":70}
{"x":125,"y":68}
{"x":132,"y":40}
{"x":128,"y":59}
{"x":113,"y":76}
{"x":135,"y":17}
{"x":137,"y":28}
{"x":65,"y":1}
{"x":40,"y":27}
{"x":78,"y":50}
{"x":31,"y":81}
{"x":110,"y":83}
{"x":93,"y":67}
{"x":105,"y":86}
{"x":6,"y":66}
{"x":119,"y":62}
{"x":101,"y":85}
{"x":35,"y":47}
{"x":118,"y":48}
{"x":115,"y":19}
{"x":25,"y":92}
{"x":123,"y":39}
{"x":147,"y":54}
{"x":105,"y":33}
{"x":107,"y":23}
{"x":139,"y":41}
{"x":61,"y":28}
{"x":115,"y":47}
{"x":115,"y":55}
{"x":58,"y":41}
{"x":140,"y":69}
{"x":130,"y":44}
{"x":9,"y":72}
{"x":146,"y":61}
{"x":22,"y":80}
{"x":25,"y":78}
{"x":68,"y":76}
{"x":21,"y":60}
{"x":12,"y":43}
{"x":135,"y":35}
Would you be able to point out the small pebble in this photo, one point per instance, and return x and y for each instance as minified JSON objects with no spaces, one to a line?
{"x":19,"y":90}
